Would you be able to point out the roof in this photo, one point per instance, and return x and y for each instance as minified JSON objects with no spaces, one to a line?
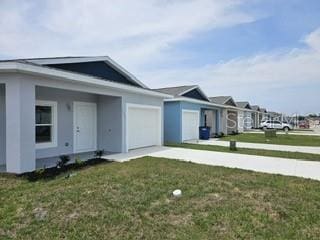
{"x":263,"y":110}
{"x":243,"y":105}
{"x":220,"y":99}
{"x":176,"y":91}
{"x":179,"y":91}
{"x":84,"y":59}
{"x":23,"y":66}
{"x":255,"y":107}
{"x":226,"y":100}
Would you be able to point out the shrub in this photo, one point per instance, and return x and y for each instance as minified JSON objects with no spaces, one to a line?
{"x":78,"y":161}
{"x":99,"y":153}
{"x":64,"y":159}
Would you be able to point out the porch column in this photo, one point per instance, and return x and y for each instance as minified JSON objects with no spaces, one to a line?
{"x":218,"y":121}
{"x":20,"y":126}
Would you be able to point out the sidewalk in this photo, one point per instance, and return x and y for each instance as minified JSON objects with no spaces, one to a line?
{"x":283,"y":166}
{"x":285,"y":148}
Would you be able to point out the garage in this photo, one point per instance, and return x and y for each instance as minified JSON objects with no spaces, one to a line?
{"x":143,"y":126}
{"x":190,"y":124}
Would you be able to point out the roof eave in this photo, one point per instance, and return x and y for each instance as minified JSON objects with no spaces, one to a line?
{"x":106,"y":59}
{"x":75,"y":77}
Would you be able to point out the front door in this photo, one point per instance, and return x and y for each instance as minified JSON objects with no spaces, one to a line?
{"x":85,"y":127}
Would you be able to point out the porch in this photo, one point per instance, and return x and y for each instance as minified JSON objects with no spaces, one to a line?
{"x":39,"y":124}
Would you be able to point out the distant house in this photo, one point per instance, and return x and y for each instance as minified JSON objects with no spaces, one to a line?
{"x":255,"y":116}
{"x":73,"y":106}
{"x":245,"y":116}
{"x":189,"y":109}
{"x":230,"y":114}
{"x":263,"y":116}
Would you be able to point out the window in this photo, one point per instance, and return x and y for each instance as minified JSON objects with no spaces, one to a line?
{"x":46,"y":124}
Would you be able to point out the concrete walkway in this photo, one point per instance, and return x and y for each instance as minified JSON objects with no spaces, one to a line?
{"x":283,"y":166}
{"x":314,"y":132}
{"x":285,"y":148}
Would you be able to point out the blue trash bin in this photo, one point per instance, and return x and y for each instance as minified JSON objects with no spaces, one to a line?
{"x":204,"y":133}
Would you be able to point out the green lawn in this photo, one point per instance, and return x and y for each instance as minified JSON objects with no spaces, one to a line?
{"x":249,"y":151}
{"x":282,"y":139}
{"x":133,"y":200}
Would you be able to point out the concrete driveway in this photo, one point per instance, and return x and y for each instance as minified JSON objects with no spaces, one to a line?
{"x":283,"y":166}
{"x":285,"y":148}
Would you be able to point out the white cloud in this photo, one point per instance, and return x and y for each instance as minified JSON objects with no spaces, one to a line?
{"x":257,"y":78}
{"x":133,"y":32}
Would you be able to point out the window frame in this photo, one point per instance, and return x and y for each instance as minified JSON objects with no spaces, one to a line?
{"x":54,"y":124}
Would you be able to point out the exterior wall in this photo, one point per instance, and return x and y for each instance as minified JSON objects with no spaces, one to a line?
{"x":247,"y":121}
{"x":172,"y":122}
{"x":109,"y":129}
{"x":2,"y":125}
{"x":20,"y":122}
{"x":129,"y":98}
{"x":232,"y":122}
{"x":23,"y":90}
{"x":240,"y":124}
{"x":173,"y":119}
{"x":212,"y":121}
{"x":224,"y":119}
{"x":64,"y":101}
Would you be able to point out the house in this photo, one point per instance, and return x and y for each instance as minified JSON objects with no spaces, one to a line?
{"x":255,"y":116}
{"x":245,"y":116}
{"x":187,"y":111}
{"x":229,"y":114}
{"x":275,"y":116}
{"x":263,"y":116}
{"x":73,"y":106}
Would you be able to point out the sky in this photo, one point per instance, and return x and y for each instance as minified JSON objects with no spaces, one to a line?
{"x":266,"y":52}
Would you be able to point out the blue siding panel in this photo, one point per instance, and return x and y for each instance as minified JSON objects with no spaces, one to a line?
{"x":98,"y":69}
{"x":173,"y":118}
{"x":172,"y":122}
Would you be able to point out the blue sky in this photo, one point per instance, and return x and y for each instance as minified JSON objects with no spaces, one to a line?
{"x":265,"y":52}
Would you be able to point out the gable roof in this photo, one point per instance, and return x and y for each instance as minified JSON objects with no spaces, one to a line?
{"x":255,"y":107}
{"x":180,"y":91}
{"x":243,"y":105}
{"x":78,"y":64}
{"x":263,"y":110}
{"x":226,"y":100}
{"x":26,"y":67}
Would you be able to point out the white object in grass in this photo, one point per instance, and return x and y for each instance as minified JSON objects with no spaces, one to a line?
{"x":177,"y":193}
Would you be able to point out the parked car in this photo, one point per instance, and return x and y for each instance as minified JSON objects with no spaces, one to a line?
{"x":269,"y":124}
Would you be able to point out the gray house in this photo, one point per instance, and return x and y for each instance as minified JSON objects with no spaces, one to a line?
{"x":255,"y":116}
{"x":245,"y":118}
{"x":73,"y":106}
{"x":230,"y":123}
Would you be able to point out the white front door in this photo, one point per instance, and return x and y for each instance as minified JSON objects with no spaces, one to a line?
{"x":190,"y":124}
{"x":85,"y":127}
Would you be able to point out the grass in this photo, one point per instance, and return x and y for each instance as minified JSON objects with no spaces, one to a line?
{"x":133,"y":200}
{"x":281,"y":139}
{"x":249,"y":151}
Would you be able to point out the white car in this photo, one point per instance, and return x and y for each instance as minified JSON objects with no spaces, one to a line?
{"x":270,"y":124}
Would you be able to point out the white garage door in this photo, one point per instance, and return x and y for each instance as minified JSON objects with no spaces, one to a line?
{"x":190,"y":124}
{"x":143,"y":126}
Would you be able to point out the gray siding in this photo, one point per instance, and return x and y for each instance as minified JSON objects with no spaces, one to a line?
{"x":130,"y":98}
{"x":65,"y":101}
{"x":109,"y":123}
{"x":2,"y":125}
{"x":22,"y":94}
